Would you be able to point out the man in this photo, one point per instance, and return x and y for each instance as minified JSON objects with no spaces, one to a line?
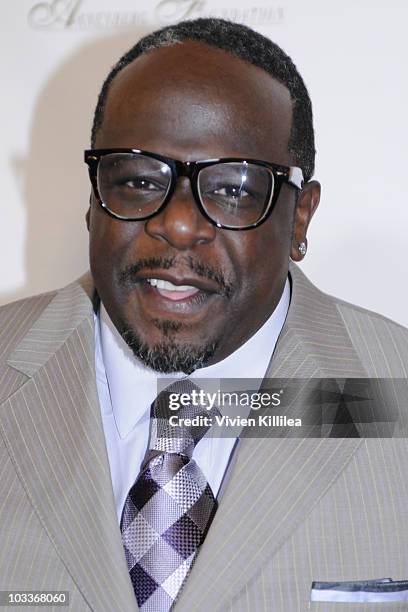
{"x":191,"y":274}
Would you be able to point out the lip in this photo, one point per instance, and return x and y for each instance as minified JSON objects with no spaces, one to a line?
{"x":191,"y":306}
{"x":194,"y":308}
{"x":203,"y":284}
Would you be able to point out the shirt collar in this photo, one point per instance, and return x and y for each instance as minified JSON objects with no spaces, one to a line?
{"x":133,"y":386}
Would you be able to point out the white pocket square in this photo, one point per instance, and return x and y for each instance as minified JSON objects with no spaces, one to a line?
{"x":374,"y":591}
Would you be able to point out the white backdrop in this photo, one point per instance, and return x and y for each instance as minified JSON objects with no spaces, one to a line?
{"x":352,"y":55}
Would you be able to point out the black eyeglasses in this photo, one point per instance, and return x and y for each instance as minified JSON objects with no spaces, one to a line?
{"x":232,"y":193}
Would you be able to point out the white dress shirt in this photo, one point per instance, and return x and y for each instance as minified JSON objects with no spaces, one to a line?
{"x":127,"y":388}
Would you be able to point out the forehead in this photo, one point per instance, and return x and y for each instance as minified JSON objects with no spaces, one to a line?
{"x":192,"y":97}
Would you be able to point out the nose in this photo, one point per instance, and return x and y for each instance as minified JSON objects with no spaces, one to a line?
{"x":181,"y":223}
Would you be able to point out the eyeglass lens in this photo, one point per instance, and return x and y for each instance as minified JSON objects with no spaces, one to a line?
{"x":232,"y":193}
{"x":235,"y":193}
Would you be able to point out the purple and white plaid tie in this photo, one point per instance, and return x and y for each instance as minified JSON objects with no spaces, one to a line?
{"x":169,"y":509}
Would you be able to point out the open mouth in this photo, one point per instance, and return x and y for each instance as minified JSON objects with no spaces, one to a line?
{"x":161,"y":292}
{"x":171,"y":291}
{"x":165,"y":293}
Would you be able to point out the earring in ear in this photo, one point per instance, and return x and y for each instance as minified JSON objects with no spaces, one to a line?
{"x":302,"y":248}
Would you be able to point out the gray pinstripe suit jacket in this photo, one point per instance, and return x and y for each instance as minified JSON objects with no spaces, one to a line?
{"x":294,"y":510}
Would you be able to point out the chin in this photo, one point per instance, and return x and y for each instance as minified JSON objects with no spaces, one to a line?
{"x":169,"y":354}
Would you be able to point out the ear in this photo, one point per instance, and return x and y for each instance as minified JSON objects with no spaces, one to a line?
{"x":307,"y":203}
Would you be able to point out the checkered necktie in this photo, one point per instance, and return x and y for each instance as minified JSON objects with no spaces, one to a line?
{"x":169,"y":509}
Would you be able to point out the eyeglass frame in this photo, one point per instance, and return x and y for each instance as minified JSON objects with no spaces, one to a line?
{"x":292,"y":175}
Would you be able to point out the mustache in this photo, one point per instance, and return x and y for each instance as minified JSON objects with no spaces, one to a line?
{"x":128,"y":277}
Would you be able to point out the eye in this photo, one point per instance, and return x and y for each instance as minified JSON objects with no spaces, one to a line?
{"x":231,"y":191}
{"x":141,"y":184}
{"x":138,"y":185}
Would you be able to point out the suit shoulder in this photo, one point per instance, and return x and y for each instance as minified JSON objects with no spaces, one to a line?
{"x":376,"y":319}
{"x":17,"y":317}
{"x":381,"y":343}
{"x":344,"y":308}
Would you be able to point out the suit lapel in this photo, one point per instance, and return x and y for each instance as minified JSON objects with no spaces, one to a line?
{"x":276,"y":482}
{"x":53,"y":430}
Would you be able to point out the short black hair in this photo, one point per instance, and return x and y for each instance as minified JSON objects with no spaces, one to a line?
{"x":248,"y":45}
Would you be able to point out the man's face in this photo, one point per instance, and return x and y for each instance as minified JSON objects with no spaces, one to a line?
{"x":191,"y":102}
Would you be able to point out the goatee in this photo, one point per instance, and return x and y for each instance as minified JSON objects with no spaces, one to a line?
{"x":168,"y":356}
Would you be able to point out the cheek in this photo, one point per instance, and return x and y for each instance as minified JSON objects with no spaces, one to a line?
{"x":263,"y":255}
{"x":109,"y":241}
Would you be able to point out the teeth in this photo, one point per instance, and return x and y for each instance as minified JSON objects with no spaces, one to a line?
{"x":163,"y":284}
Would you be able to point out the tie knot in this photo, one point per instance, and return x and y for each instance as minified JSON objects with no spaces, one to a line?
{"x":179,"y":418}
